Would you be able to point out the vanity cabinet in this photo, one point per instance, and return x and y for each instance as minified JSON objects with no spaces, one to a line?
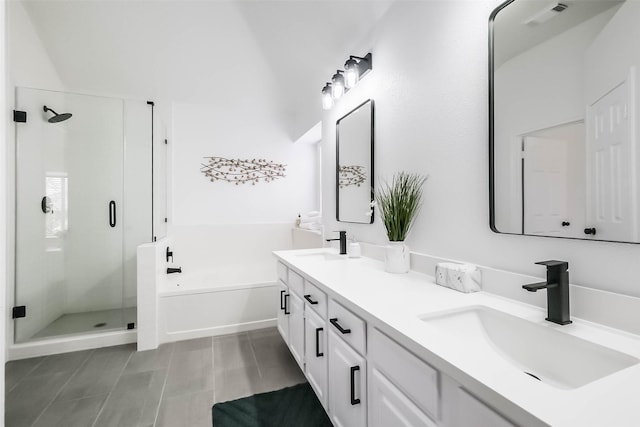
{"x":291,"y":312}
{"x":316,"y":354}
{"x":283,"y":311}
{"x":347,"y":384}
{"x":296,"y":328}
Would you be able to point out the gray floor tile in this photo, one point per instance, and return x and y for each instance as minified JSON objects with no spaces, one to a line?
{"x":58,"y":363}
{"x":191,"y":345}
{"x":16,"y":370}
{"x":270,"y":351}
{"x":150,"y":360}
{"x":193,"y":410}
{"x":265,"y":332}
{"x":99,"y":374}
{"x":277,"y":376}
{"x":31,"y":396}
{"x":235,"y":383}
{"x":134,"y":400}
{"x":191,"y":369}
{"x":72,"y":413}
{"x":232,"y":352}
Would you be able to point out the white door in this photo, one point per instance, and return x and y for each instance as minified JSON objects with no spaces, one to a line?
{"x":296,"y":328}
{"x":283,"y":317}
{"x":347,"y":384}
{"x":611,"y":206}
{"x":388,"y":406}
{"x":316,"y":354}
{"x":545,"y":186}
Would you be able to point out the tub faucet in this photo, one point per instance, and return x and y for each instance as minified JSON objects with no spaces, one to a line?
{"x":174,"y":270}
{"x":557,"y":286}
{"x":343,"y":242}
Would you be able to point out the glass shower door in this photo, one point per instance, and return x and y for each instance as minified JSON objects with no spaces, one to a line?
{"x":69,"y":229}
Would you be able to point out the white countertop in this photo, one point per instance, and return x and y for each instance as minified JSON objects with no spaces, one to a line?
{"x":395,"y":302}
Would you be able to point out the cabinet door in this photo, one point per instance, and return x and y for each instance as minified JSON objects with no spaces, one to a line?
{"x":283,"y":310}
{"x":347,"y":384}
{"x":388,"y":406}
{"x":316,"y":354}
{"x":296,"y":328}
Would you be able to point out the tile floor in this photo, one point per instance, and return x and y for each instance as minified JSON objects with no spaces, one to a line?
{"x":173,"y":386}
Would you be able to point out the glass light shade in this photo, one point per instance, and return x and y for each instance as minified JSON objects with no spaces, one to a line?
{"x":327,"y":99}
{"x":337,"y":86}
{"x":351,"y":73}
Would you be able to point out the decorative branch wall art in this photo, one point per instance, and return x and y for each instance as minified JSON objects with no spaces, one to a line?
{"x":351,"y":175}
{"x":240,"y":171}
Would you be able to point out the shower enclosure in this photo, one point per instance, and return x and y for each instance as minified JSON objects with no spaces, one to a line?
{"x":84,"y":202}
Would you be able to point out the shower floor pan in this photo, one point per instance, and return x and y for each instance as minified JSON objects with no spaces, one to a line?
{"x":88,"y":322}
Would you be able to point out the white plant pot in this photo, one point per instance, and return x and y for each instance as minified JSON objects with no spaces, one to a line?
{"x":396,"y":257}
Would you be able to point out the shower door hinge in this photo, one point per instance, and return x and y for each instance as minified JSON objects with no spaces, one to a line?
{"x":19,"y":311}
{"x":166,"y":142}
{"x":165,"y":220}
{"x":19,"y":116}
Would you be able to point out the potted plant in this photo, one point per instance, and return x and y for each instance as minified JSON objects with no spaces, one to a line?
{"x":398,"y":204}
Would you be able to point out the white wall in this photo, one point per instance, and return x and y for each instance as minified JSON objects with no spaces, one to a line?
{"x":429,"y":82}
{"x":245,"y":131}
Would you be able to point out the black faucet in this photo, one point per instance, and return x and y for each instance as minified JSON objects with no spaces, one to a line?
{"x":174,"y":270}
{"x":343,"y":242}
{"x":557,"y":286}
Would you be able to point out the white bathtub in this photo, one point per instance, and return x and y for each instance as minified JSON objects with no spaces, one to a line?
{"x":217,"y":301}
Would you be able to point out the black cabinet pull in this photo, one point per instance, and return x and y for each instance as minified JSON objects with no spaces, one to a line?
{"x":591,"y":230}
{"x":354,"y":369}
{"x":318,"y":330}
{"x":308,"y":298}
{"x":566,"y":223}
{"x":112,"y":214}
{"x":286,"y":306}
{"x":282,"y":300}
{"x":335,"y":323}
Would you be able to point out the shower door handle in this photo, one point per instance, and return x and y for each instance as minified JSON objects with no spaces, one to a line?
{"x":112,"y":214}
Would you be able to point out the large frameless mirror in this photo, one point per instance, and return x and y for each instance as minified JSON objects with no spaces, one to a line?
{"x":564,"y":155}
{"x":354,"y":165}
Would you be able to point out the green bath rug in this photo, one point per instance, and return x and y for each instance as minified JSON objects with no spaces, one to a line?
{"x":295,"y":406}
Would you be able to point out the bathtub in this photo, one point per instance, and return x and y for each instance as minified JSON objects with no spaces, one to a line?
{"x":217,"y":301}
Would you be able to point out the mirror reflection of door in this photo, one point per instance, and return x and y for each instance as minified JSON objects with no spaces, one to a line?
{"x":612,"y":204}
{"x":553,"y":171}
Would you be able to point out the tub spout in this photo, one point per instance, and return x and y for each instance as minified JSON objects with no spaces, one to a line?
{"x":174,"y":270}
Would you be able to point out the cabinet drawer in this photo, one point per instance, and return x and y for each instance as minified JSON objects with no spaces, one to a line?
{"x":296,"y":283}
{"x":282,"y":272}
{"x":412,"y":376}
{"x":348,"y":326}
{"x":314,"y":295}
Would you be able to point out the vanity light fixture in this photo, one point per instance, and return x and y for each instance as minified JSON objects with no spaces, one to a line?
{"x":337,"y":85}
{"x":343,"y":80}
{"x":327,"y":98}
{"x":355,"y":68}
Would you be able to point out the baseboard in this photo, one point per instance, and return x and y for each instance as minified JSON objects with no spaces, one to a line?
{"x":217,"y":330}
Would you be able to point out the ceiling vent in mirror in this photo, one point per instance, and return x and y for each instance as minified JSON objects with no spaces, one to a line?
{"x":549,"y":12}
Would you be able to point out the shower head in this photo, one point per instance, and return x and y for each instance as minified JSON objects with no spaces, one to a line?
{"x":57,"y":117}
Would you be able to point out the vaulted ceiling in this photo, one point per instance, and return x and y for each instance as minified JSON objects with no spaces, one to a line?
{"x":205,"y":51}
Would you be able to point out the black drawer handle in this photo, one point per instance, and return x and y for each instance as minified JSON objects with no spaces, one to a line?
{"x":286,"y":305}
{"x":318,"y":330}
{"x":308,"y":298}
{"x":590,"y":230}
{"x":335,"y":323}
{"x":112,"y":214}
{"x":354,"y":369}
{"x":282,"y":300}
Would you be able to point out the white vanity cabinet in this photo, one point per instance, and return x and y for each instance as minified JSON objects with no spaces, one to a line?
{"x":316,"y":354}
{"x":347,"y":367}
{"x":291,"y":312}
{"x":347,"y":384}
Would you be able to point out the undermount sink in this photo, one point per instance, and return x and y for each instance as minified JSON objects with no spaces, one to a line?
{"x":542,"y":352}
{"x":327,"y":256}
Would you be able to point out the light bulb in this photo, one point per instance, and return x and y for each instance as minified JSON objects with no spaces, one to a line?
{"x":327,"y":99}
{"x":337,"y":86}
{"x":351,"y":73}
